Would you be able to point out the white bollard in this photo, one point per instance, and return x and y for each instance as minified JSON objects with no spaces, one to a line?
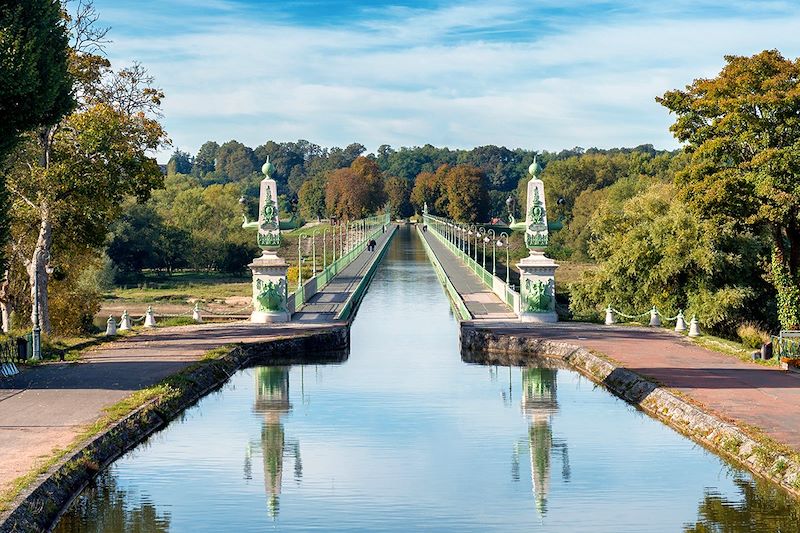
{"x":609,"y":316}
{"x":149,"y":318}
{"x":125,"y":321}
{"x":680,"y":323}
{"x":196,"y":313}
{"x":694,"y":327}
{"x":111,"y":327}
{"x":655,"y":319}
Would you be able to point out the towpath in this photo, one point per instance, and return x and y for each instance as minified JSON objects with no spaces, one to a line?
{"x":481,"y":302}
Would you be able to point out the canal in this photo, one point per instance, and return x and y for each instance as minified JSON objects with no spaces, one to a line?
{"x":405,"y":436}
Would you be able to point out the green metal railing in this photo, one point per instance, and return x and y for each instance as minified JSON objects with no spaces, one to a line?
{"x":350,"y":238}
{"x":352,"y":302}
{"x":469,"y":244}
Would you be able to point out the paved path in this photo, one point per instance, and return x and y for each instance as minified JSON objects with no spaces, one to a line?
{"x":481,"y":302}
{"x":326,"y":304}
{"x":765,"y":397}
{"x":45,"y":407}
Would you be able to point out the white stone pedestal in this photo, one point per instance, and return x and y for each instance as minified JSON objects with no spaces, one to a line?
{"x":537,"y":288}
{"x":269,"y":289}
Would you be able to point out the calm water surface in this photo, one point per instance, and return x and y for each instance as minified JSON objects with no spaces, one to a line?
{"x":405,"y":437}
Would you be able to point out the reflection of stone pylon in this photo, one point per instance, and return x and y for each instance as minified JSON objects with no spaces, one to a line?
{"x":539,"y":403}
{"x":272,"y":401}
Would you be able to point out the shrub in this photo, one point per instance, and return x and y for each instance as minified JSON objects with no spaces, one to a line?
{"x":751,"y":335}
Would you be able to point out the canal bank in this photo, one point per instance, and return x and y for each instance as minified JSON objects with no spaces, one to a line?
{"x":38,"y":505}
{"x":62,"y":422}
{"x":703,"y":395}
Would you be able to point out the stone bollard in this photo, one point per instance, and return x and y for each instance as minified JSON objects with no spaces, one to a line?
{"x":694,"y":327}
{"x":680,"y":323}
{"x":655,"y":319}
{"x":111,"y":327}
{"x":149,"y":318}
{"x":125,"y":321}
{"x":196,"y":313}
{"x":609,"y":316}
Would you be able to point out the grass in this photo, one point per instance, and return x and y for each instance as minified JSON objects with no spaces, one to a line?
{"x":168,"y":389}
{"x":182,"y":288}
{"x":730,"y":347}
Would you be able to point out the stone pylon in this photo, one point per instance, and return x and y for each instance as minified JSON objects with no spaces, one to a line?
{"x":269,"y":270}
{"x":537,"y":272}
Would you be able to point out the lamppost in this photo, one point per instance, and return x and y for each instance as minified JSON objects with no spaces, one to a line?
{"x":499,"y":243}
{"x":324,"y":249}
{"x":36,"y":332}
{"x":494,"y":249}
{"x":472,"y":228}
{"x":485,"y":240}
{"x":299,"y":262}
{"x":314,"y":252}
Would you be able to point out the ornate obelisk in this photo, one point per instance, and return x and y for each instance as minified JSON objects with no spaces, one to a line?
{"x":537,"y":272}
{"x":269,"y":270}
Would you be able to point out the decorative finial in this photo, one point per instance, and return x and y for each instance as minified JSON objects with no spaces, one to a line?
{"x":535,"y":169}
{"x":268,"y":168}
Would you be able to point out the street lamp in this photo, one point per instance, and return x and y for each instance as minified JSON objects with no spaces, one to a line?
{"x":505,"y":236}
{"x":494,"y":249}
{"x":324,"y":249}
{"x":36,"y":332}
{"x":299,"y":262}
{"x":485,"y":240}
{"x":314,"y":252}
{"x":469,"y":239}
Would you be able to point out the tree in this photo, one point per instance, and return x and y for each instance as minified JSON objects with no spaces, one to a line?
{"x":204,"y":160}
{"x":312,"y":199}
{"x":36,"y":87}
{"x":179,"y":163}
{"x":356,"y":191}
{"x":466,"y":193}
{"x":742,"y":132}
{"x":654,"y":249}
{"x":235,"y":161}
{"x":69,"y":180}
{"x":35,"y":84}
{"x":397,"y":194}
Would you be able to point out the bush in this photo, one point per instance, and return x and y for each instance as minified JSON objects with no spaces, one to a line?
{"x":751,"y":335}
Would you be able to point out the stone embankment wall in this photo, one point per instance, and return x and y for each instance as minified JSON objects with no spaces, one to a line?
{"x":40,"y":506}
{"x":754,"y":452}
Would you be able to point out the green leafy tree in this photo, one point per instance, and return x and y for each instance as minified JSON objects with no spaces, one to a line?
{"x":653,"y":249}
{"x":234,"y":161}
{"x":742,"y":132}
{"x":312,"y":199}
{"x":466,"y":193}
{"x":35,"y":84}
{"x":179,"y":163}
{"x":398,"y":196}
{"x":204,"y":160}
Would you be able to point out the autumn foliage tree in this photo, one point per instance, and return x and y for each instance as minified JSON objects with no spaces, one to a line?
{"x":356,"y":191}
{"x":742,"y":132}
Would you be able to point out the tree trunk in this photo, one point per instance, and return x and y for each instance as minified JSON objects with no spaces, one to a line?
{"x":5,"y":304}
{"x":785,"y":278}
{"x":36,"y":269}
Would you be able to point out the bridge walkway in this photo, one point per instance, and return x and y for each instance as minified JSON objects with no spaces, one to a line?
{"x":327,"y":304}
{"x":481,"y":302}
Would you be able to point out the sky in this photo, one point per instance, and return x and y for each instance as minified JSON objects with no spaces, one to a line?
{"x":541,"y":75}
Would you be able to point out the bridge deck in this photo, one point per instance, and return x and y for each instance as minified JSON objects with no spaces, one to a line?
{"x":327,"y":303}
{"x":481,"y":302}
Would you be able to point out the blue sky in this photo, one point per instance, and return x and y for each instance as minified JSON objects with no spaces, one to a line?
{"x":539,"y":74}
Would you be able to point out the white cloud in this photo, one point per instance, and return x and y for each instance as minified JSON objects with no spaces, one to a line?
{"x":409,"y":77}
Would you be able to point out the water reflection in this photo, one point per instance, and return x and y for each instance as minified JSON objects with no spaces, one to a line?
{"x":272,"y":403}
{"x":762,"y":508}
{"x":106,"y":507}
{"x":539,"y":403}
